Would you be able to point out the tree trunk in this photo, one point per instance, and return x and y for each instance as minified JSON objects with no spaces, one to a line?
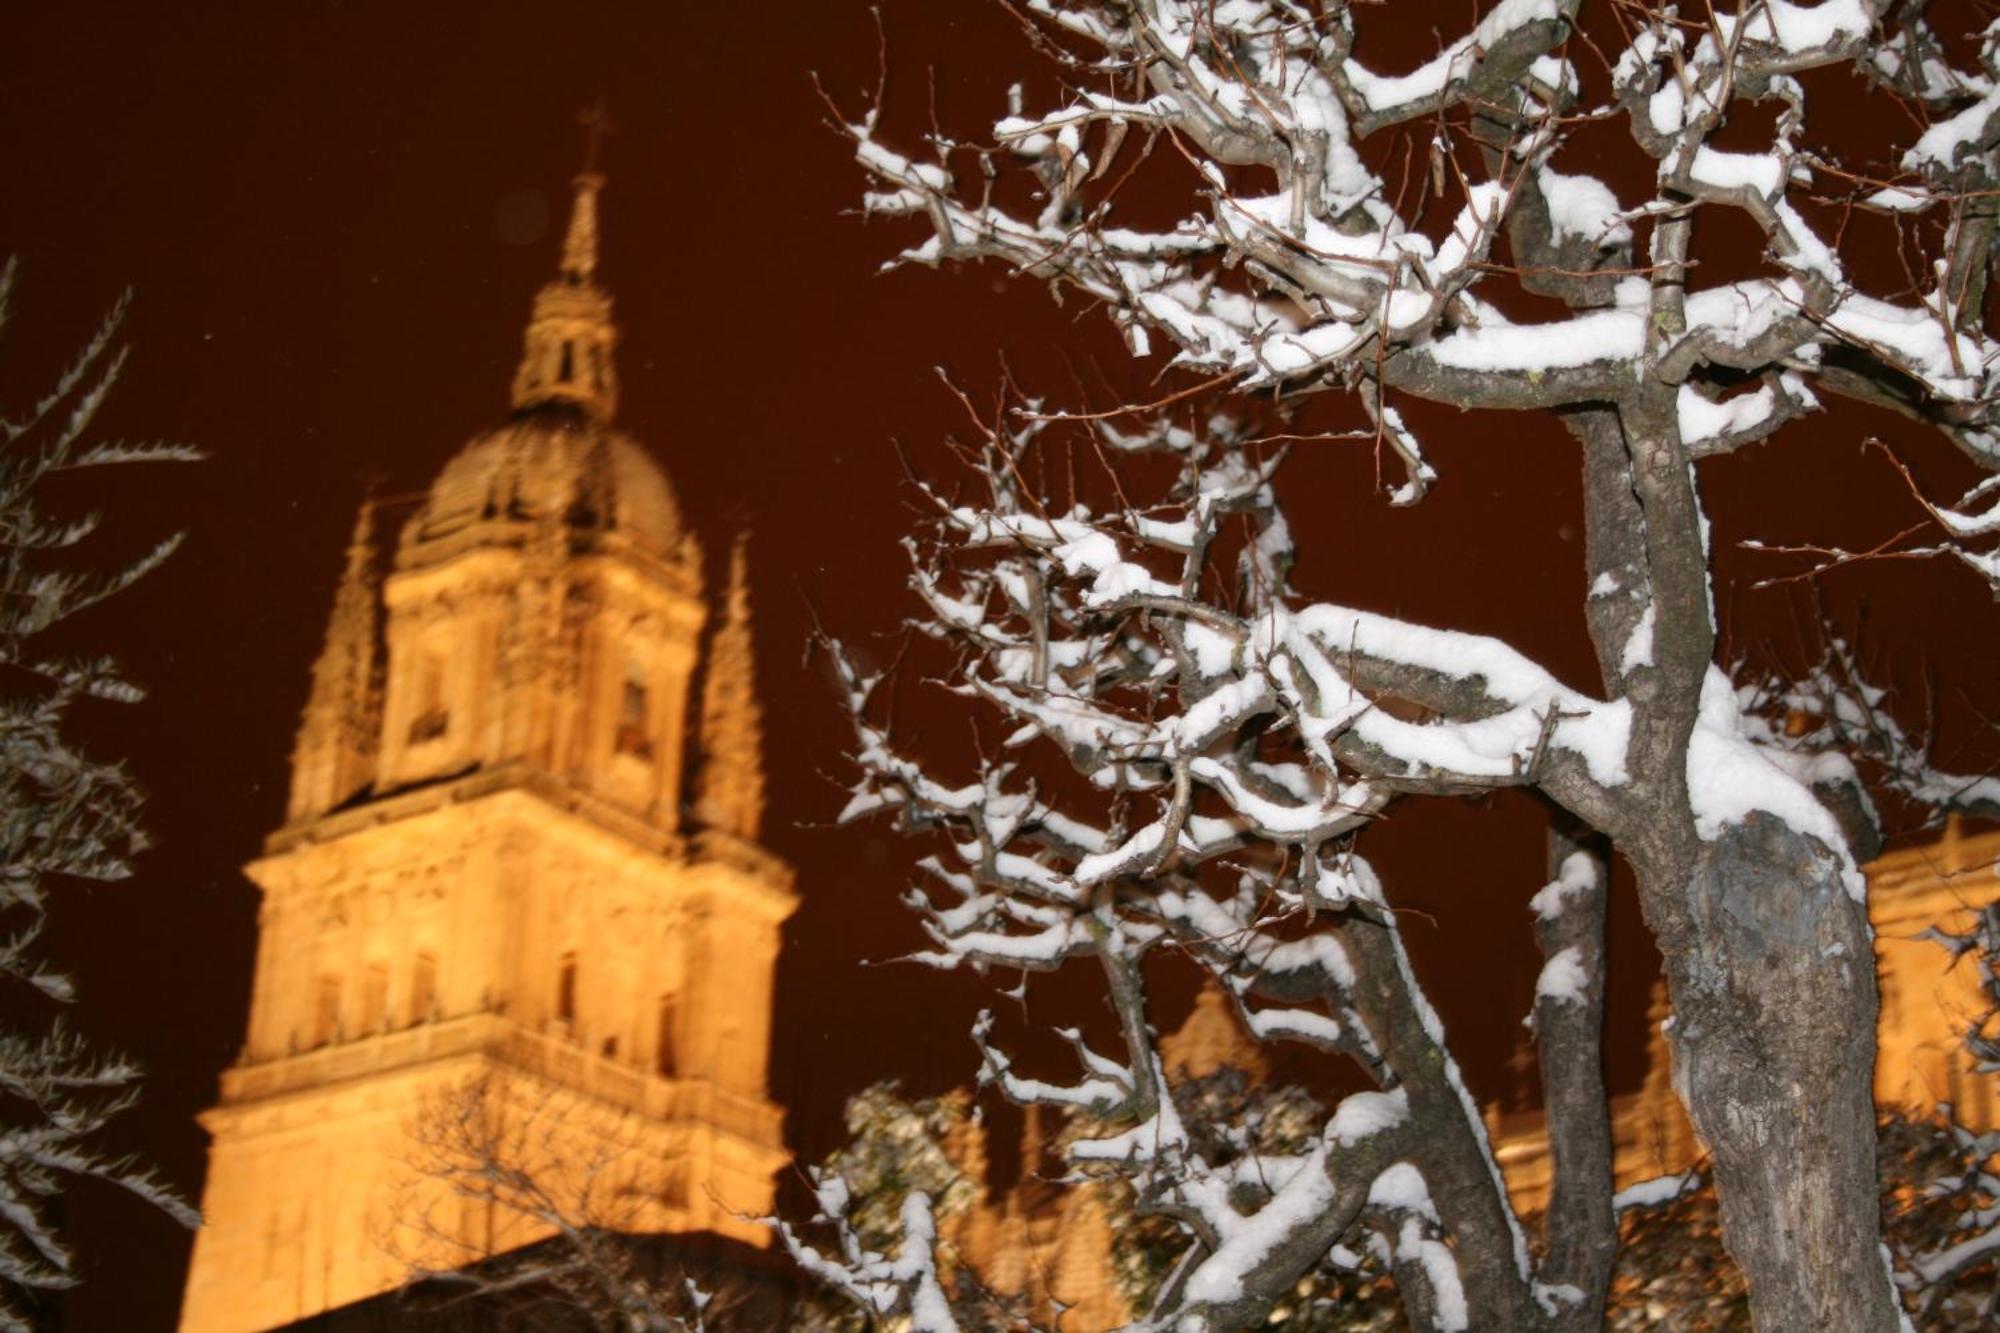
{"x":1771,"y":965}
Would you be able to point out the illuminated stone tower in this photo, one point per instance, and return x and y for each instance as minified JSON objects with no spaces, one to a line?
{"x":485,"y":877}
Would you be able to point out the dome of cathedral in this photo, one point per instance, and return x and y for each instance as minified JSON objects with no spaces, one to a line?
{"x":558,"y":458}
{"x":547,"y":462}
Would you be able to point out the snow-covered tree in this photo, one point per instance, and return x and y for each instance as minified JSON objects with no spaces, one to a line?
{"x":64,"y":817}
{"x":1341,"y":227}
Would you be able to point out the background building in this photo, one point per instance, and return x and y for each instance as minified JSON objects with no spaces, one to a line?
{"x":498,"y":892}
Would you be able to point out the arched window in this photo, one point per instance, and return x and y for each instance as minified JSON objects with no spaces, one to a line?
{"x":326,"y":1012}
{"x":430,"y":719}
{"x":667,"y":1040}
{"x":423,"y":988}
{"x":568,"y":363}
{"x":566,"y":989}
{"x":635,"y":732}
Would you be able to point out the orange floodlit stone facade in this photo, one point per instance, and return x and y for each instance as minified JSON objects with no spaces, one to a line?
{"x":485,"y":872}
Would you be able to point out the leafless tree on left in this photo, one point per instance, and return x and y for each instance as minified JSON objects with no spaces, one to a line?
{"x":65,"y":816}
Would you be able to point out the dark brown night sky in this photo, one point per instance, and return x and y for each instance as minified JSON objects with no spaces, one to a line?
{"x":335,"y":216}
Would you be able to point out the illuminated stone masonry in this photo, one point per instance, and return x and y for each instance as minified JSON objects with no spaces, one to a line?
{"x":485,"y":880}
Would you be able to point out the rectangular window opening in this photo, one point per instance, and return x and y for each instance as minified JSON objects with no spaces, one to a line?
{"x":634,"y":722}
{"x":666,"y":1049}
{"x":326,"y":1012}
{"x":566,"y":989}
{"x":432,"y":718}
{"x":423,"y":989}
{"x":375,"y":999}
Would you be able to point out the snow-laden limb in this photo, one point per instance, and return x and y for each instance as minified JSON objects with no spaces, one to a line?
{"x":1656,"y":1191}
{"x":1341,"y":280}
{"x":64,"y":817}
{"x":1221,"y":752}
{"x":1831,"y":728}
{"x":1731,"y":777}
{"x":906,"y":1284}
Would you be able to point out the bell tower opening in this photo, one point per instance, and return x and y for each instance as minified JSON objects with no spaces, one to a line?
{"x":326,"y":1012}
{"x":432,"y":717}
{"x":566,"y":992}
{"x":374,"y":999}
{"x":667,"y":1038}
{"x":635,"y":735}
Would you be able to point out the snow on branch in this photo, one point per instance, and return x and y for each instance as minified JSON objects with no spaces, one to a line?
{"x":905,"y":1284}
{"x":1187,"y":755}
{"x":1295,"y":263}
{"x":1832,"y":728}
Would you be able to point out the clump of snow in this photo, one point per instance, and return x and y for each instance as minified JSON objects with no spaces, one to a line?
{"x":1440,"y":1267}
{"x":1728,"y":779}
{"x":1300,"y":1200}
{"x":1894,"y":199}
{"x":1638,"y":646}
{"x":1652,"y":1193}
{"x":1583,"y":206}
{"x":1364,"y":1114}
{"x":1705,"y":418}
{"x":1213,"y":650}
{"x":1762,"y":172}
{"x":1796,"y":28}
{"x":1382,"y":92}
{"x":1563,"y":979}
{"x":1402,"y":1186}
{"x":1577,"y":875}
{"x":1942,"y":143}
{"x":1597,"y":335}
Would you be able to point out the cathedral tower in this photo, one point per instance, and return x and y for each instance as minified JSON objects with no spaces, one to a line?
{"x":485,"y":885}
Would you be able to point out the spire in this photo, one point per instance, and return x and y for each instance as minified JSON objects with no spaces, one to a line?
{"x":579,"y":257}
{"x":567,"y":356}
{"x":335,"y":753}
{"x":732,"y":723}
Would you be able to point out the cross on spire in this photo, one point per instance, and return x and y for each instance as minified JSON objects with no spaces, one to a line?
{"x":598,"y":126}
